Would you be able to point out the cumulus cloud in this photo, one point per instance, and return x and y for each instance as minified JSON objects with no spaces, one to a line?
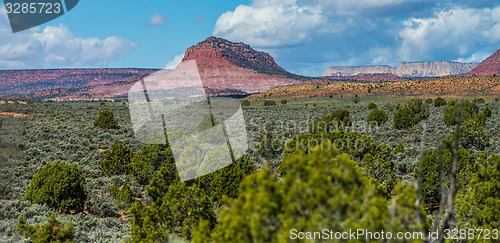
{"x":56,"y":47}
{"x":174,"y":62}
{"x":157,"y":19}
{"x":365,"y":32}
{"x":459,"y":32}
{"x":269,"y":22}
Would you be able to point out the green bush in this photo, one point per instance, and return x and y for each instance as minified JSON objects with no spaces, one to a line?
{"x":379,"y":116}
{"x":472,"y":134}
{"x":468,"y":110}
{"x":149,"y":159}
{"x":411,"y":113}
{"x":429,"y":101}
{"x":439,"y":102}
{"x":116,"y":161}
{"x":52,"y":231}
{"x":478,"y":101}
{"x":487,"y":111}
{"x":356,"y":99}
{"x":270,"y":147}
{"x":372,"y":106}
{"x":106,"y":120}
{"x":114,"y":189}
{"x":245,"y":103}
{"x":431,"y":182}
{"x":335,"y":121}
{"x":399,"y":148}
{"x":403,"y":118}
{"x":478,"y":206}
{"x":283,"y":102}
{"x":60,"y":186}
{"x":269,"y":102}
{"x":125,"y":195}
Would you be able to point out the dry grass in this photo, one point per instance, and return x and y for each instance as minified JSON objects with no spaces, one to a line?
{"x":444,"y":87}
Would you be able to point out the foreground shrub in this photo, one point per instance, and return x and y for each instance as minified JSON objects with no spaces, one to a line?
{"x":439,"y":102}
{"x":245,"y":103}
{"x":52,"y":231}
{"x":116,"y":161}
{"x":269,"y":102}
{"x":468,"y":110}
{"x":372,"y":106}
{"x":379,"y":116}
{"x":333,"y":122}
{"x":106,"y":120}
{"x":58,"y":185}
{"x":315,"y":185}
{"x":411,"y":113}
{"x":478,"y":205}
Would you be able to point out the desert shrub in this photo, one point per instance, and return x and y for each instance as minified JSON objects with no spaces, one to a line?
{"x":270,"y":146}
{"x":478,"y":205}
{"x":411,"y":113}
{"x":403,"y":118}
{"x":125,"y":195}
{"x":439,"y":102}
{"x":324,"y":175}
{"x":101,"y":206}
{"x":379,"y":116}
{"x":147,"y":161}
{"x":177,"y":211}
{"x":106,"y":120}
{"x":116,"y":161}
{"x":478,"y":101}
{"x":52,"y":231}
{"x":487,"y":111}
{"x":431,"y":182}
{"x":335,"y":121}
{"x":245,"y":103}
{"x":269,"y":102}
{"x":60,"y":186}
{"x":399,"y":148}
{"x":472,"y":134}
{"x":283,"y":102}
{"x":372,"y":106}
{"x":114,"y":189}
{"x":468,"y":110}
{"x":356,"y":99}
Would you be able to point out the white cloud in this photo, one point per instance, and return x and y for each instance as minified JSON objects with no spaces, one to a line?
{"x":157,"y":19}
{"x":269,"y":23}
{"x":174,"y":62}
{"x":457,"y":31}
{"x":476,"y":57}
{"x":56,"y":47}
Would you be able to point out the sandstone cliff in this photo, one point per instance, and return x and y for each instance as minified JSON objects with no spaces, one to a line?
{"x":407,"y":70}
{"x":489,"y":67}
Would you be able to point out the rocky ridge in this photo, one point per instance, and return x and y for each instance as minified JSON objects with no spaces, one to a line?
{"x":489,"y":67}
{"x":406,"y":70}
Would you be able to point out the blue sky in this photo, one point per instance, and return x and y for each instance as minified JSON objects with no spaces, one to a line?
{"x":304,"y":36}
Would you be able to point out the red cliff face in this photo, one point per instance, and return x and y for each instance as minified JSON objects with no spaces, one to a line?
{"x":489,"y":67}
{"x":226,"y":65}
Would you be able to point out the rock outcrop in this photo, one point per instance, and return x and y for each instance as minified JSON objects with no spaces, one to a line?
{"x":406,"y":70}
{"x":227,"y":65}
{"x":489,"y":67}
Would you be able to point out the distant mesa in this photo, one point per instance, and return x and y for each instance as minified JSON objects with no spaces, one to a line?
{"x":405,"y":70}
{"x":226,"y":69}
{"x":227,"y":65}
{"x":489,"y":67}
